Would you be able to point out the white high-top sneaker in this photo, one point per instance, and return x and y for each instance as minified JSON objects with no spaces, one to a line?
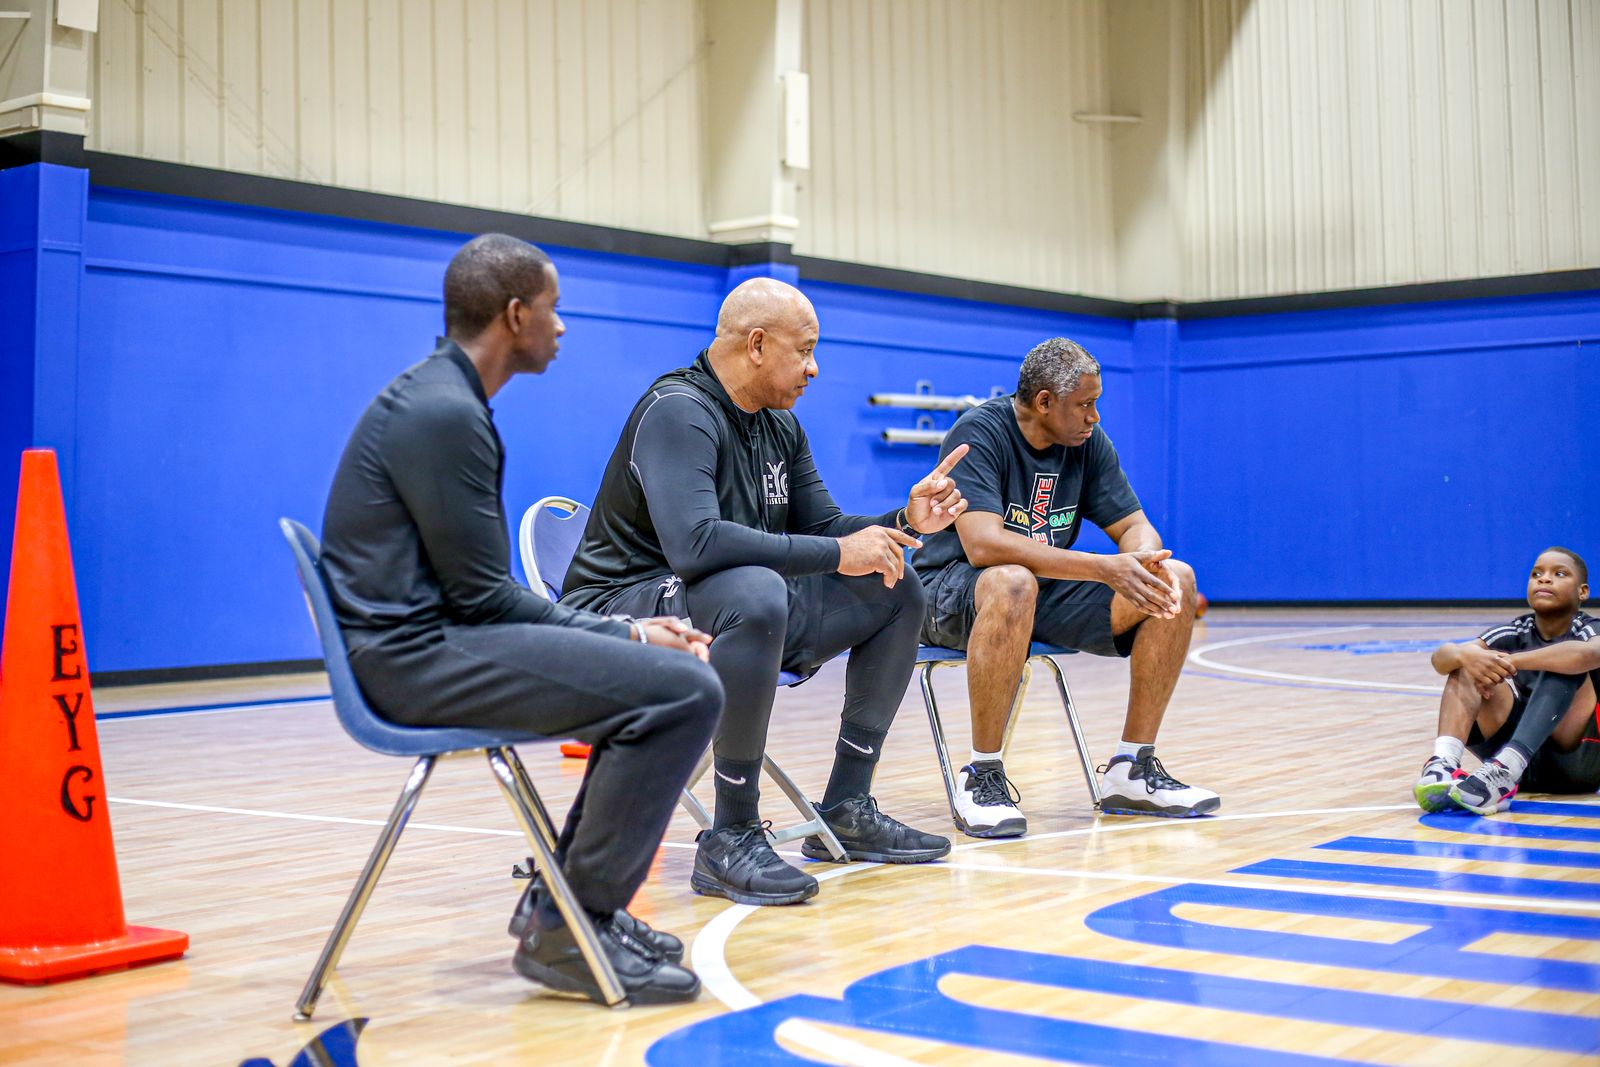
{"x":986,"y":802}
{"x":1139,"y":785}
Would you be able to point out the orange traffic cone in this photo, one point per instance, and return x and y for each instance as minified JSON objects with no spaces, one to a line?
{"x":60,"y":899}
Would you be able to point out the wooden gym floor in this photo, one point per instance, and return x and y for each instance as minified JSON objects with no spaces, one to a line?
{"x":1244,"y":938}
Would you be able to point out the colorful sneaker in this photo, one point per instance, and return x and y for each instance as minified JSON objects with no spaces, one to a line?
{"x":737,"y":863}
{"x":868,"y":834}
{"x":1432,"y":790}
{"x":1487,"y":790}
{"x":986,"y":802}
{"x":1139,"y":785}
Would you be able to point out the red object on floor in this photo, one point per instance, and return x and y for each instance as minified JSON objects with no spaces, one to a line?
{"x":575,"y":750}
{"x":60,"y":898}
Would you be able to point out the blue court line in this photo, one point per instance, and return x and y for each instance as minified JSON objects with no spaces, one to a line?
{"x":1388,"y":846}
{"x":1462,"y":823}
{"x":148,"y":713}
{"x":1410,"y":878}
{"x":1187,"y":673}
{"x":1555,"y":807}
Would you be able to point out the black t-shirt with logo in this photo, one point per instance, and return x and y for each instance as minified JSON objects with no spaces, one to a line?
{"x":1522,"y":634}
{"x":1043,"y":493}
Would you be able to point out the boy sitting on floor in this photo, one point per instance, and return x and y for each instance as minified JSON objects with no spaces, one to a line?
{"x":1542,"y":727}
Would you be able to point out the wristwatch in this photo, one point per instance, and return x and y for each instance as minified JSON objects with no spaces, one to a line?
{"x":904,"y":524}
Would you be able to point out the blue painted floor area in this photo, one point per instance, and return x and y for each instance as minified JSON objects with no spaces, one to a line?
{"x":907,"y":1000}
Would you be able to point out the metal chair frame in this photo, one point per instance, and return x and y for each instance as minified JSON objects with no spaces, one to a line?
{"x":932,"y":657}
{"x":536,"y":537}
{"x":427,"y":744}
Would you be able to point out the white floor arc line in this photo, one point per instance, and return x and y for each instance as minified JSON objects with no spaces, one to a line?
{"x":1199,"y":658}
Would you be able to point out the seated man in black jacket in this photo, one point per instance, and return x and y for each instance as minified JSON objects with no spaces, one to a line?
{"x":416,"y":555}
{"x":711,"y":507}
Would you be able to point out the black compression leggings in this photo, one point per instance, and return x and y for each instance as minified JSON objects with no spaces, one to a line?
{"x":762,"y":623}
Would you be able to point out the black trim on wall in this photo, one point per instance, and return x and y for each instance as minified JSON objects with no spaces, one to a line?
{"x":176,"y":179}
{"x":156,"y":676}
{"x":41,"y":146}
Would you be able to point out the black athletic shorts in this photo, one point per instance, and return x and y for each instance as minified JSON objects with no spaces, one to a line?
{"x":1074,"y":615}
{"x":1550,"y":770}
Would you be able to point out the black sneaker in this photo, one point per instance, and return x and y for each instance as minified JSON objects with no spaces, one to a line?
{"x":868,"y":834}
{"x":737,"y":862}
{"x":552,"y":958}
{"x":522,"y":918}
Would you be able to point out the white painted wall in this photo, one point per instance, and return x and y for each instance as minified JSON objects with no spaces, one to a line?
{"x":1351,"y":143}
{"x":943,"y":139}
{"x":576,"y":109}
{"x":1289,"y":145}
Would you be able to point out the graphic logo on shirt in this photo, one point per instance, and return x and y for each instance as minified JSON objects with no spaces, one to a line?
{"x":1038,"y":519}
{"x":776,"y":483}
{"x":669,"y":586}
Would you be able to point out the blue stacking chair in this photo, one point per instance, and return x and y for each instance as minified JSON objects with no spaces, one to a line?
{"x":425,"y":745}
{"x":931,"y":657}
{"x":548,"y":538}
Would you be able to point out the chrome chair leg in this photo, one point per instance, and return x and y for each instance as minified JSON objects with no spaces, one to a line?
{"x":357,"y":902}
{"x":931,"y":704}
{"x":542,"y":823}
{"x":811,"y":822}
{"x":1077,"y":731}
{"x":688,"y":800}
{"x":566,"y":903}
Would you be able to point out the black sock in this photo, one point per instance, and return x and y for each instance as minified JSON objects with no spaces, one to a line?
{"x":855,"y":758}
{"x":738,"y":791}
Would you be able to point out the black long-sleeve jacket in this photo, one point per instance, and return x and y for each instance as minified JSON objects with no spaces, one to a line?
{"x":414,"y":536}
{"x":697,"y":485}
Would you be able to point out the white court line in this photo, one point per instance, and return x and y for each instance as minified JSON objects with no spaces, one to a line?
{"x":1475,"y":900}
{"x":1198,"y":658}
{"x":213,"y":809}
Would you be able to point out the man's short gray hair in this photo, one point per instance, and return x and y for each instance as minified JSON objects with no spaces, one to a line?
{"x":1057,"y":365}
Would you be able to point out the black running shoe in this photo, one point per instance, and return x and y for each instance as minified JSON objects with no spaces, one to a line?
{"x":868,"y":834}
{"x":522,"y":918}
{"x":737,"y":863}
{"x":552,"y":958}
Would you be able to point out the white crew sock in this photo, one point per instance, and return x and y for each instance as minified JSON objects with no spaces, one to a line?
{"x":1512,"y":759}
{"x":1131,"y":748}
{"x":981,"y":757}
{"x":1449,"y":749}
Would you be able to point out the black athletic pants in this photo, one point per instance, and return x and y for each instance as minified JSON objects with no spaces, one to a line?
{"x":761,"y":624}
{"x":648,"y":712}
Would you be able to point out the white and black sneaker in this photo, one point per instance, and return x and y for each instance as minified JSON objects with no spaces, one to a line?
{"x":986,"y":802}
{"x":1139,"y":785}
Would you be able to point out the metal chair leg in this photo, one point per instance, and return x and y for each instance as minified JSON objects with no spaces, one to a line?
{"x":931,"y":704}
{"x":689,"y":801}
{"x":811,"y":822}
{"x":1077,"y":731}
{"x":542,"y":823}
{"x":566,"y":903}
{"x":357,"y":901}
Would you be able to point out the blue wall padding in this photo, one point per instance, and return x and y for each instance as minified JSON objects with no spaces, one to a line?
{"x":1423,"y":451}
{"x":199,"y":366}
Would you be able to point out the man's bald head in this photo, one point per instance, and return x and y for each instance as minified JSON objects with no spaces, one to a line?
{"x":763,"y":304}
{"x":766,"y":340}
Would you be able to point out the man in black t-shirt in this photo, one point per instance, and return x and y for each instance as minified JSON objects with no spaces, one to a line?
{"x":1005,"y":575}
{"x":1519,"y":698}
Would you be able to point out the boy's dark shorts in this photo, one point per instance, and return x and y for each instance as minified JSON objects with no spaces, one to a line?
{"x":1074,"y":615}
{"x":1550,"y":770}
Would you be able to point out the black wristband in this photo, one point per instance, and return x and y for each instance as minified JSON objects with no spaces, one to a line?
{"x":903,"y":523}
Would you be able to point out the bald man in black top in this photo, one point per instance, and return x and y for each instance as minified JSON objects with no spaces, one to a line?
{"x":416,"y":554}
